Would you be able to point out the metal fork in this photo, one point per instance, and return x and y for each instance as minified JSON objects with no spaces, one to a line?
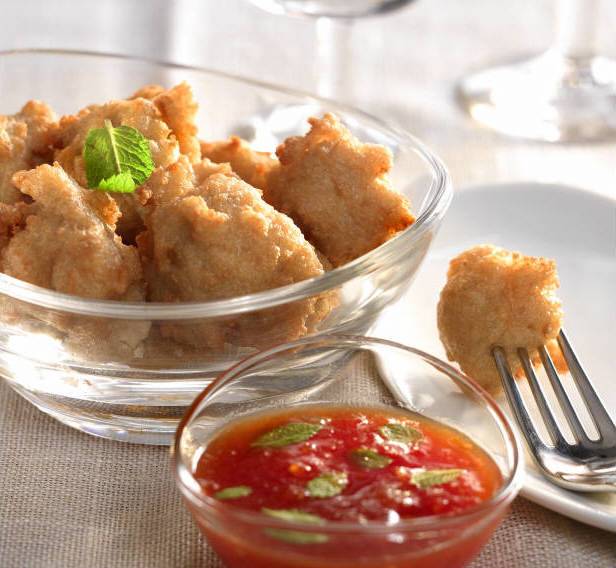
{"x":586,"y":465}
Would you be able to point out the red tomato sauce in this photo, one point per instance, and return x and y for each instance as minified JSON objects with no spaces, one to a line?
{"x":375,"y":470}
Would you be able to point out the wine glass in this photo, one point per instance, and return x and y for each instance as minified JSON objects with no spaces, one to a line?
{"x":567,"y":94}
{"x":333,"y":26}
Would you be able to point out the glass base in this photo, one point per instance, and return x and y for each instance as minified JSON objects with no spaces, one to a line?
{"x":133,"y":424}
{"x":549,"y":97}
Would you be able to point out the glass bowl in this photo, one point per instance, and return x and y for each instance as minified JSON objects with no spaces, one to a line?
{"x":128,"y":370}
{"x":353,"y":371}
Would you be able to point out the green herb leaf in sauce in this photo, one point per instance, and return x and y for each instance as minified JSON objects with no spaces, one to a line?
{"x":295,"y":516}
{"x":285,"y":435}
{"x":402,"y":433}
{"x":117,"y":159}
{"x":233,"y":492}
{"x":327,"y":484}
{"x":370,"y":459}
{"x":297,"y":537}
{"x":427,"y":478}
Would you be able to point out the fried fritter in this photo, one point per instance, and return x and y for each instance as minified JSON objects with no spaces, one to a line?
{"x":25,"y":140}
{"x":179,"y":110}
{"x":337,"y":190}
{"x":497,"y":297}
{"x":253,"y":167}
{"x":218,"y":239}
{"x":68,"y":244}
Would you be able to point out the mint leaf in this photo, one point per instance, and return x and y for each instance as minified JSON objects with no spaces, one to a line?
{"x":327,"y":484}
{"x":292,"y":433}
{"x":233,"y":492}
{"x":297,"y":537}
{"x":117,"y":159}
{"x":370,"y":459}
{"x":121,"y":183}
{"x":427,"y":478}
{"x":395,"y":432}
{"x":293,"y":516}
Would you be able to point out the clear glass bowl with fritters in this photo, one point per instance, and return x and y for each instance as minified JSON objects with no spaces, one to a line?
{"x":128,"y":371}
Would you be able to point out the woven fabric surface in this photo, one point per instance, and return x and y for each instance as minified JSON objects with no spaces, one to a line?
{"x":68,"y":500}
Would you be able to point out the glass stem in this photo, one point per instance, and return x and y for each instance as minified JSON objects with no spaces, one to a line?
{"x":576,"y":28}
{"x":334,"y":65}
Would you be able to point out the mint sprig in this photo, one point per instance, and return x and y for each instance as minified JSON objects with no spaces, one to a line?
{"x":296,"y":537}
{"x":395,"y":432}
{"x":327,"y":484}
{"x":285,"y":435}
{"x":427,"y":478}
{"x":117,"y":159}
{"x":233,"y":492}
{"x":370,"y":459}
{"x":295,"y":516}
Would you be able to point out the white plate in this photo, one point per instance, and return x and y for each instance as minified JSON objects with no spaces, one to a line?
{"x":578,"y":230}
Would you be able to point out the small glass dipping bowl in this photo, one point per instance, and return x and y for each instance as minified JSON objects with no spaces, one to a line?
{"x":350,"y":371}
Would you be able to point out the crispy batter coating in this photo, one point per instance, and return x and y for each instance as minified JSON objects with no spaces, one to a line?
{"x":148,"y":92}
{"x":497,"y":297}
{"x":253,"y":167}
{"x":337,"y":190}
{"x":25,"y":140}
{"x":218,"y":239}
{"x":179,"y":110}
{"x":12,"y":219}
{"x":67,"y":243}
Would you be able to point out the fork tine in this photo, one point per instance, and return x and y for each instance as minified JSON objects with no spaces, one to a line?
{"x":544,"y":408}
{"x":602,"y":420}
{"x":562,"y":396}
{"x":516,"y":402}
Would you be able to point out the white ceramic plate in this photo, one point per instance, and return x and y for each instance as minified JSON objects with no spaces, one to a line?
{"x":578,"y":230}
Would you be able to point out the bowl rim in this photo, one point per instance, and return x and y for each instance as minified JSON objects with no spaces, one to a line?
{"x":191,"y":489}
{"x":439,"y":193}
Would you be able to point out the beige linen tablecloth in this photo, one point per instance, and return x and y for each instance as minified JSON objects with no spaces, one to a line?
{"x":69,"y":500}
{"x":72,"y":501}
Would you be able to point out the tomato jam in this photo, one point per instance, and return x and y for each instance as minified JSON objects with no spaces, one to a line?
{"x":312,"y":464}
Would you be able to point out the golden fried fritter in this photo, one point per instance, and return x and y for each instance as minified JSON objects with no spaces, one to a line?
{"x":497,"y":297}
{"x":227,"y":239}
{"x":25,"y":141}
{"x":179,"y":110}
{"x":67,"y":243}
{"x":337,"y":190}
{"x":219,"y":239}
{"x":167,"y":184}
{"x":253,"y":167}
